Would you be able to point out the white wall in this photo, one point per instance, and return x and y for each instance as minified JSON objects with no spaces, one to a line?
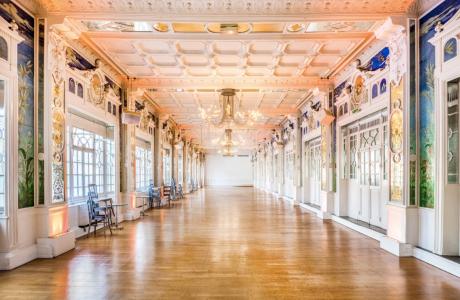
{"x":234,"y":170}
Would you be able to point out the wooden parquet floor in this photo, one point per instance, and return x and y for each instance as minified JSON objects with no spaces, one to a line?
{"x":229,"y":243}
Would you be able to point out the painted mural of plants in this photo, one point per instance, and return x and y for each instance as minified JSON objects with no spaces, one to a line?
{"x":26,"y":136}
{"x":26,"y":175}
{"x":427,"y":141}
{"x":428,"y":92}
{"x":426,"y":170}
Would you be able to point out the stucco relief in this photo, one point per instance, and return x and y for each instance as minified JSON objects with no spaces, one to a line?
{"x":57,"y":55}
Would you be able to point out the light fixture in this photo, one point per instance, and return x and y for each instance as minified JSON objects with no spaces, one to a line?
{"x":161,"y":27}
{"x":228,"y":28}
{"x":228,"y":112}
{"x":296,"y":27}
{"x":229,"y":146}
{"x":129,"y":116}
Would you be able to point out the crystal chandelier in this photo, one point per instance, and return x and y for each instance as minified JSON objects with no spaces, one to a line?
{"x":228,"y":144}
{"x":228,"y":113}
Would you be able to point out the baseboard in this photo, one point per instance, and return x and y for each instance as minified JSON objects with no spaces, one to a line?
{"x":437,"y":261}
{"x":366,"y":231}
{"x":18,"y":257}
{"x":310,"y":208}
{"x":291,"y":200}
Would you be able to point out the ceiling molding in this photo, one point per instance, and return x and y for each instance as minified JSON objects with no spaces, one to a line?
{"x":317,"y":36}
{"x":227,"y":7}
{"x":233,"y":82}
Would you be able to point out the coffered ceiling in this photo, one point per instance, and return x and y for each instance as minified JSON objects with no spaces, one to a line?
{"x":274,"y":53}
{"x":227,"y":7}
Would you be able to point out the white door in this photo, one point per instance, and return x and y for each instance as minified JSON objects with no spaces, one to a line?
{"x":354,"y":191}
{"x":276,"y":176}
{"x":314,"y":171}
{"x":305,"y":174}
{"x":370,"y":175}
{"x":289,"y":175}
{"x":368,"y":184}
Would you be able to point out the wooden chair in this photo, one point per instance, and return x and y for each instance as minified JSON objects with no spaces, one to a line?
{"x":166,"y":194}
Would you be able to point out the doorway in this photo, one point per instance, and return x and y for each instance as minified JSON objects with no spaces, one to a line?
{"x":368,"y":169}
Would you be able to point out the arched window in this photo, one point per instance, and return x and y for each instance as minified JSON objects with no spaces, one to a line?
{"x":375,"y":91}
{"x":72,"y":85}
{"x":340,"y":110}
{"x":345,"y":108}
{"x":80,"y":90}
{"x":3,"y":49}
{"x":450,"y":49}
{"x":383,"y":86}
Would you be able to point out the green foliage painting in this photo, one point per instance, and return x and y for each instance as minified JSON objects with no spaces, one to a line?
{"x":26,"y":137}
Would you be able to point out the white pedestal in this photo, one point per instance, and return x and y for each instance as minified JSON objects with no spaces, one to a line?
{"x":132,"y":214}
{"x":394,"y":247}
{"x":324,"y":215}
{"x":17,"y":257}
{"x":327,"y":204}
{"x":54,"y":246}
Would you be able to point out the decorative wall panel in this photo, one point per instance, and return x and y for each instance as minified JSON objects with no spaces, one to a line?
{"x":57,"y":63}
{"x":442,"y":13}
{"x":396,"y":141}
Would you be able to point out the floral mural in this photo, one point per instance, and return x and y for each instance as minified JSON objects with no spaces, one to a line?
{"x":443,"y":12}
{"x":9,"y":11}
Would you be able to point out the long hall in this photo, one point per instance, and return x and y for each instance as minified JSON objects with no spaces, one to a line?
{"x":232,"y":243}
{"x":229,"y":149}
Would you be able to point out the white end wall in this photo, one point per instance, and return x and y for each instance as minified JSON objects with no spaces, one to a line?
{"x":229,"y":171}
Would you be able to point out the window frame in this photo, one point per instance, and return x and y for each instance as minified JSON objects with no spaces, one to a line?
{"x":106,"y":151}
{"x":6,"y":176}
{"x":168,"y":171}
{"x":143,"y":165}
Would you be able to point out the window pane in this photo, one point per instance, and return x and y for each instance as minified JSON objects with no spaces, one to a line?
{"x":92,"y":159}
{"x":452,"y":132}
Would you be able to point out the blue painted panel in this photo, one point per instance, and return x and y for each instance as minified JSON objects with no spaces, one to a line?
{"x":441,"y":13}
{"x":450,"y":49}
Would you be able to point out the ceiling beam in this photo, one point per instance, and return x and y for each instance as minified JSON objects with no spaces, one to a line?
{"x":240,"y":82}
{"x":205,"y":36}
{"x":204,"y":17}
{"x":236,"y":128}
{"x":269,"y":112}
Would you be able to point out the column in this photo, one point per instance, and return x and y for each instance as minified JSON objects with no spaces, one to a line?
{"x":53,"y":235}
{"x":327,"y":161}
{"x":402,"y":219}
{"x":128,"y":158}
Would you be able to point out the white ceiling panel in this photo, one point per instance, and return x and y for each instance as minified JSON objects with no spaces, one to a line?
{"x":271,"y":64}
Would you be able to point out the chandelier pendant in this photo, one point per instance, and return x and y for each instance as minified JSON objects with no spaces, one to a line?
{"x":228,"y":114}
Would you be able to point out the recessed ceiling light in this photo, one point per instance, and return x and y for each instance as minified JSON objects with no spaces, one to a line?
{"x":161,"y":27}
{"x":296,"y":27}
{"x":228,"y":28}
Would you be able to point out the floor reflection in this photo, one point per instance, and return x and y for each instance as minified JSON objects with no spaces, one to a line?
{"x":236,"y":243}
